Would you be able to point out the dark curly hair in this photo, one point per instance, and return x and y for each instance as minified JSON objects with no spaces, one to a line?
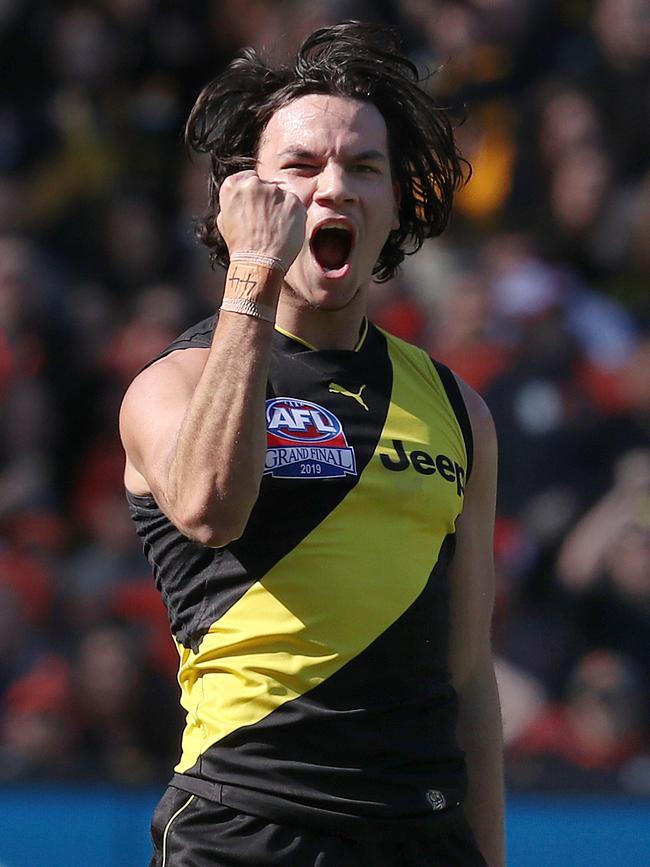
{"x":356,"y":60}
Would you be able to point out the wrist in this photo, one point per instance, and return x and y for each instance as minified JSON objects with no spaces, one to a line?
{"x":255,"y":257}
{"x":254,"y":281}
{"x":253,"y":285}
{"x":248,"y":308}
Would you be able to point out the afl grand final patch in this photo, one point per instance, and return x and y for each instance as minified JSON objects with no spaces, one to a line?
{"x":305,"y":441}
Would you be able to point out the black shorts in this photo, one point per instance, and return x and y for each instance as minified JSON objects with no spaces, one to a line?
{"x":189,"y":831}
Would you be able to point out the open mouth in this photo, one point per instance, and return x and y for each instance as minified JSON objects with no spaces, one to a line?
{"x":331,"y":247}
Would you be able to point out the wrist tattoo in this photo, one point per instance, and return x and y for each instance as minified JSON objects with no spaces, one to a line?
{"x":254,"y":282}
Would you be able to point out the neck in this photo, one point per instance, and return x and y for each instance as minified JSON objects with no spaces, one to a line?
{"x":320,"y":327}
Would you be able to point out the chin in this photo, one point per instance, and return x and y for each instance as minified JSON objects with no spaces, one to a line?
{"x":332,"y":298}
{"x":322,"y":293}
{"x":333,"y":305}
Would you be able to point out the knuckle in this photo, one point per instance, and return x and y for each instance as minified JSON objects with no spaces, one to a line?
{"x":225,"y":191}
{"x":238,"y":179}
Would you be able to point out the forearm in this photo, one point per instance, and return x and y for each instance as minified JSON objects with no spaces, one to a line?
{"x":216,"y":464}
{"x":480,"y":736}
{"x":193,"y":427}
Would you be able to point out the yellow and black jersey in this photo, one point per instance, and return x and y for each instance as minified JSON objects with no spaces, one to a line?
{"x":313,"y":650}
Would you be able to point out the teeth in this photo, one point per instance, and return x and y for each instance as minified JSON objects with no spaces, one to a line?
{"x":334,"y":224}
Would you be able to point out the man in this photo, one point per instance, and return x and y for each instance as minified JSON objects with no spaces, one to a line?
{"x":316,"y":497}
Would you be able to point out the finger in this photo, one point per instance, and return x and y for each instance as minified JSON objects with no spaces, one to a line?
{"x":280,"y":183}
{"x":281,"y":191}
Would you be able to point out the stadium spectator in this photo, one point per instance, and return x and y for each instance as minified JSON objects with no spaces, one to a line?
{"x":589,"y":738}
{"x":604,"y":563}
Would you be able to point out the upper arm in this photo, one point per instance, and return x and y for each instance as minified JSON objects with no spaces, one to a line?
{"x":151,"y":414}
{"x":472,"y":568}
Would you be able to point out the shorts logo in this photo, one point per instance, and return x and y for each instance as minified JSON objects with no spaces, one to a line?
{"x":436,"y":799}
{"x":305,"y":440}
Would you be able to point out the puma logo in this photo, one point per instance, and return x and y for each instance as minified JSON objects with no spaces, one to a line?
{"x":335,"y":388}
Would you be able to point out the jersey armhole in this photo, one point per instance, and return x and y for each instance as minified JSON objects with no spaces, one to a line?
{"x":198,"y":336}
{"x":460,"y":410}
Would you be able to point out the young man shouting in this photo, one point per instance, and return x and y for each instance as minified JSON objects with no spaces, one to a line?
{"x":316,"y":497}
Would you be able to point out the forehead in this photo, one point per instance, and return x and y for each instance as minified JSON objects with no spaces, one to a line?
{"x":319,"y":122}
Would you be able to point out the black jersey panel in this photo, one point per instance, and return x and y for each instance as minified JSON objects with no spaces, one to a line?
{"x":186,"y":573}
{"x":458,"y":405}
{"x":198,"y":336}
{"x":378,"y":735}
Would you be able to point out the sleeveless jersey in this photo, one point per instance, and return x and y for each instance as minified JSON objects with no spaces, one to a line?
{"x":313,"y":650}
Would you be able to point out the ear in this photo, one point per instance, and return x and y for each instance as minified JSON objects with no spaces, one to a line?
{"x":397,"y":201}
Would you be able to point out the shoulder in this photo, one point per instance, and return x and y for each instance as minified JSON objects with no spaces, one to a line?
{"x":402,"y":347}
{"x":152,"y":408}
{"x":179,"y":364}
{"x":478,"y":412}
{"x":484,"y":438}
{"x":166,"y":379}
{"x":415,"y":361}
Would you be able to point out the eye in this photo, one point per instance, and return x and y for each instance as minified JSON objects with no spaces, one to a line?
{"x":303,"y":168}
{"x":364,"y":169}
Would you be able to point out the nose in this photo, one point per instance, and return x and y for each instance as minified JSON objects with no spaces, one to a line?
{"x":333,"y":186}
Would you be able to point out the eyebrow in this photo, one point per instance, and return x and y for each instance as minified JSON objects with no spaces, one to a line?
{"x":302,"y":153}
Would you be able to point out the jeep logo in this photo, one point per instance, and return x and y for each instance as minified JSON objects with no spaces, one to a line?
{"x":423,"y":463}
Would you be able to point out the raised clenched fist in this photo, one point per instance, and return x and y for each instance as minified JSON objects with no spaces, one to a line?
{"x":261,"y":216}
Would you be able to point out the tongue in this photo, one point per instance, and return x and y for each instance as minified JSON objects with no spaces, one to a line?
{"x":331,"y":250}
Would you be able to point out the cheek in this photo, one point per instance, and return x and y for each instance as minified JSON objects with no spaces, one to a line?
{"x":383,"y":219}
{"x":384,"y":209}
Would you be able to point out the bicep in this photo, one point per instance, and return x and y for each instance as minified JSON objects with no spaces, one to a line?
{"x":150,"y":418}
{"x":472,"y":568}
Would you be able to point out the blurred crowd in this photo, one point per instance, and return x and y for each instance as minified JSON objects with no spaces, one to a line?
{"x":538,"y":295}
